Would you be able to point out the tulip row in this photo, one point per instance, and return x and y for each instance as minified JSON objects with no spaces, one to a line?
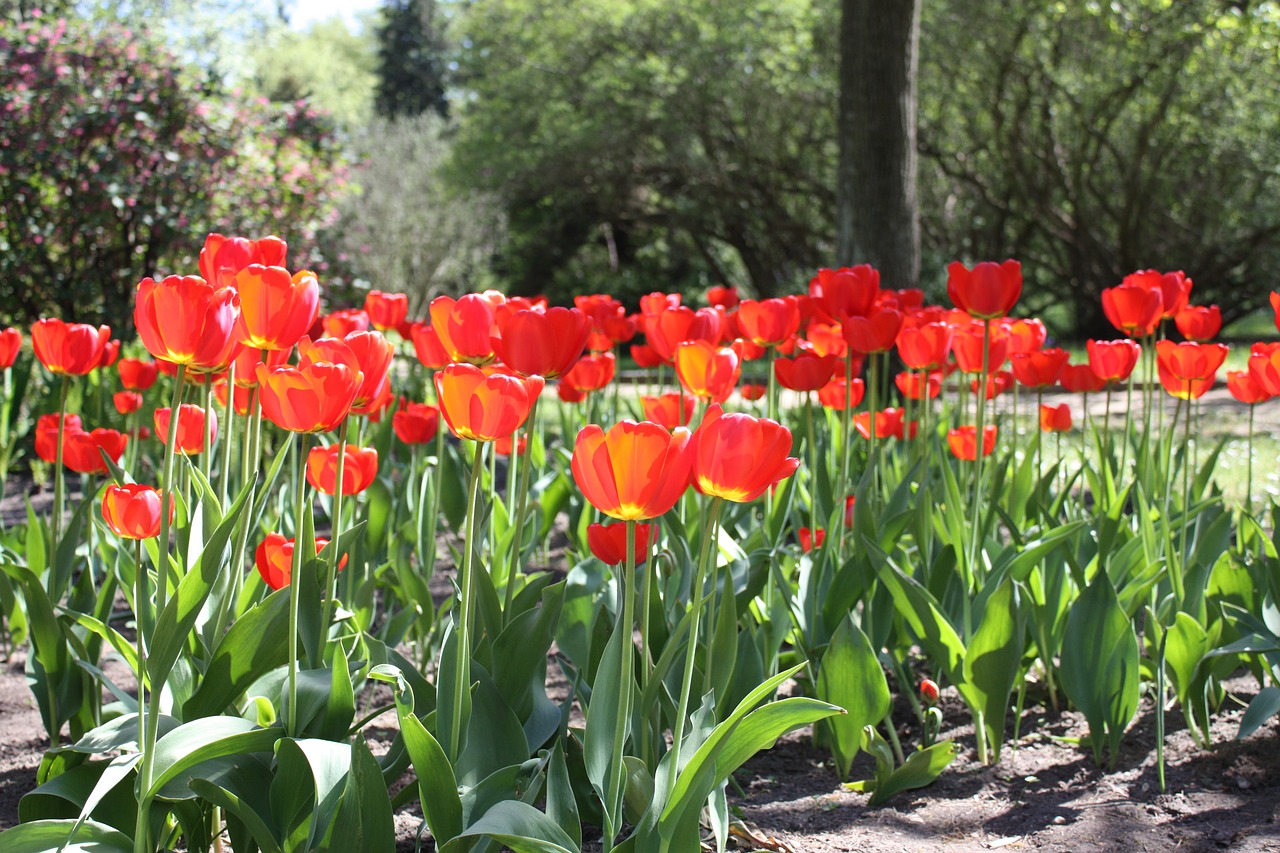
{"x":675,"y":625}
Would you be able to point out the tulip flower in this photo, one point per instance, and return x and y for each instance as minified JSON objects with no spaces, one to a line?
{"x":925,"y":347}
{"x":810,"y":539}
{"x":1245,"y":387}
{"x":752,"y":392}
{"x":191,"y":427}
{"x":738,"y":457}
{"x":427,"y":347}
{"x":68,"y":349}
{"x":1199,"y":323}
{"x":608,"y":542}
{"x":136,"y":374}
{"x":874,"y":333}
{"x":483,"y":407}
{"x":1055,"y":418}
{"x":1188,"y":370}
{"x":274,"y":559}
{"x":846,"y":292}
{"x":132,"y":511}
{"x":339,"y":324}
{"x":47,"y":434}
{"x":127,"y":402}
{"x":1174,"y":288}
{"x":359,"y":468}
{"x":645,"y":356}
{"x":569,"y":394}
{"x":997,"y":383}
{"x":987,"y":291}
{"x":722,"y":296}
{"x":668,"y":328}
{"x":963,"y":442}
{"x":850,"y":501}
{"x":967,"y":344}
{"x":668,"y":410}
{"x":543,"y":343}
{"x":503,"y":445}
{"x":592,"y":372}
{"x":706,"y":370}
{"x":769,"y":322}
{"x":888,"y":424}
{"x":276,"y":309}
{"x":373,"y":354}
{"x":416,"y":423}
{"x":839,"y":394}
{"x":313,"y":397}
{"x":10,"y":343}
{"x":110,"y":352}
{"x":243,"y":396}
{"x":1135,"y":311}
{"x":1040,"y":369}
{"x":650,"y":303}
{"x":187,"y":321}
{"x":829,"y":340}
{"x":1081,"y":379}
{"x":929,"y":693}
{"x":919,"y":385}
{"x":633,"y":472}
{"x":466,"y":327}
{"x":1113,"y":361}
{"x":386,"y":310}
{"x":223,"y":257}
{"x":747,"y":350}
{"x":1025,"y":336}
{"x":805,"y":372}
{"x":81,"y":449}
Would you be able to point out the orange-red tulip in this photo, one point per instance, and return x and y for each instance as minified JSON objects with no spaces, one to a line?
{"x":416,"y":423}
{"x":1025,"y":336}
{"x":997,"y":383}
{"x":1275,"y":308}
{"x":502,"y":445}
{"x":706,"y":370}
{"x":10,"y":343}
{"x":919,"y":385}
{"x":110,"y":352}
{"x":645,"y":356}
{"x":833,"y":394}
{"x":738,"y":457}
{"x":223,"y":257}
{"x":752,"y":392}
{"x":127,"y":402}
{"x":1080,"y":379}
{"x":465,"y":326}
{"x":1188,"y":370}
{"x":889,"y":424}
{"x":132,"y":511}
{"x":846,"y":292}
{"x":1199,"y":323}
{"x":967,"y":341}
{"x":608,"y":542}
{"x":1113,"y":361}
{"x":373,"y":354}
{"x":274,"y":559}
{"x":1136,"y":311}
{"x":1039,"y":369}
{"x":427,"y":347}
{"x":810,"y":539}
{"x":484,"y":407}
{"x":769,"y":322}
{"x":828,"y":340}
{"x":1174,"y":288}
{"x":185,"y":320}
{"x":386,"y":310}
{"x":136,"y":374}
{"x":243,"y":395}
{"x":545,"y":344}
{"x":359,"y":468}
{"x":987,"y":291}
{"x":650,"y":303}
{"x":276,"y":309}
{"x":805,"y":372}
{"x":1246,"y":387}
{"x":569,"y":394}
{"x":313,"y":397}
{"x":70,"y":349}
{"x":963,"y":442}
{"x":1055,"y":418}
{"x":47,"y":434}
{"x":874,"y":333}
{"x":925,"y":347}
{"x":339,"y":324}
{"x":747,"y":350}
{"x":668,"y":410}
{"x":633,"y":472}
{"x":191,"y":426}
{"x":592,"y":372}
{"x":80,"y":449}
{"x":723,"y":297}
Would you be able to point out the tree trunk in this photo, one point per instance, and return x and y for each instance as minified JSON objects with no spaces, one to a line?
{"x":877,"y":217}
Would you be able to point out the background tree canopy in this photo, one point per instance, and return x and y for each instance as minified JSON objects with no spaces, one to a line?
{"x":633,"y":145}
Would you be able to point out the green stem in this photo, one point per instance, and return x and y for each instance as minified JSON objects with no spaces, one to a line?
{"x":59,"y":487}
{"x":463,"y":646}
{"x":523,"y":487}
{"x":813,"y":469}
{"x":1248,"y":494}
{"x":228,"y":424}
{"x":626,"y":684}
{"x":845,"y":419}
{"x":331,"y":570}
{"x":1187,"y":460}
{"x":975,"y":534}
{"x":206,"y":439}
{"x":295,"y":581}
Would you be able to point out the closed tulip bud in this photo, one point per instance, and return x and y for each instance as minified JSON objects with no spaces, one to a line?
{"x":608,"y":542}
{"x":133,"y":511}
{"x":191,"y":427}
{"x":359,"y":468}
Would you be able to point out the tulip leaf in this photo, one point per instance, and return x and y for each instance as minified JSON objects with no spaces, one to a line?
{"x":607,"y":694}
{"x":45,"y":835}
{"x":363,"y":823}
{"x":922,"y":614}
{"x":256,"y":644}
{"x":1263,"y":707}
{"x":1185,"y":645}
{"x":179,"y":752}
{"x":993,"y":660}
{"x":243,"y":789}
{"x":517,"y":826}
{"x":850,"y":676}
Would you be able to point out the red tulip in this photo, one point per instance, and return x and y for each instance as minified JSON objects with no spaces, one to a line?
{"x":874,"y":333}
{"x":987,"y":291}
{"x":191,"y":426}
{"x":243,"y":395}
{"x":608,"y":542}
{"x":929,"y":692}
{"x":386,"y":310}
{"x":1080,"y":379}
{"x":633,"y":472}
{"x":1188,"y":370}
{"x":339,"y":324}
{"x":136,"y":374}
{"x":427,"y":346}
{"x":805,"y":372}
{"x":1199,"y":323}
{"x":47,"y":435}
{"x":1025,"y":336}
{"x":1113,"y":361}
{"x":919,"y":385}
{"x":465,"y":326}
{"x":963,"y":442}
{"x":312,"y":397}
{"x":1275,"y":308}
{"x":274,"y":559}
{"x":1174,"y":288}
{"x":828,"y":340}
{"x":1055,"y":418}
{"x":592,"y":372}
{"x":723,"y":297}
{"x":373,"y":354}
{"x":752,"y":392}
{"x":187,"y":321}
{"x":359,"y":468}
{"x":645,"y":356}
{"x":997,"y":383}
{"x":668,"y":410}
{"x":846,"y":292}
{"x":967,"y":346}
{"x":10,"y":343}
{"x":132,"y":511}
{"x":1135,"y":311}
{"x":276,"y":308}
{"x":925,"y":347}
{"x":546,"y":343}
{"x":1246,"y":387}
{"x":738,"y":457}
{"x":850,"y":501}
{"x":110,"y":352}
{"x":810,"y":539}
{"x":1039,"y":369}
{"x":502,"y":445}
{"x":889,"y":424}
{"x":69,"y":349}
{"x":653,"y":303}
{"x":80,"y":450}
{"x":833,"y":394}
{"x":223,"y":257}
{"x":769,"y":322}
{"x":127,"y":402}
{"x":706,"y":370}
{"x":416,"y":423}
{"x":569,"y":394}
{"x":484,"y":407}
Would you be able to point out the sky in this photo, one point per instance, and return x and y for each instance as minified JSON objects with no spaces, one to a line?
{"x":304,"y":13}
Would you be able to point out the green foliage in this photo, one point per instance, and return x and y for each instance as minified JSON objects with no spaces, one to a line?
{"x":411,"y":60}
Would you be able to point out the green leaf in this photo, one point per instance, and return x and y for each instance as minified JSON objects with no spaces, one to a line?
{"x":1186,"y":644}
{"x":364,"y":823}
{"x":919,"y":770}
{"x":256,"y":644}
{"x":518,"y":826}
{"x":243,"y":789}
{"x":1263,"y":707}
{"x":181,"y":750}
{"x":850,"y":676}
{"x":993,"y":660}
{"x":46,"y":835}
{"x":602,"y":718}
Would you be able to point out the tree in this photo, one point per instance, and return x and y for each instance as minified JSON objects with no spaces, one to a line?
{"x":329,"y":66}
{"x":877,"y":218}
{"x":411,"y":71}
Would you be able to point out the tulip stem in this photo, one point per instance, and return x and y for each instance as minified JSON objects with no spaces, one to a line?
{"x":1187,"y":461}
{"x":206,"y":437}
{"x":813,"y":467}
{"x":463,"y":645}
{"x":845,"y":418}
{"x":980,"y":442}
{"x":428,"y":548}
{"x":331,"y":569}
{"x":59,"y":488}
{"x":691,"y":649}
{"x":295,"y":581}
{"x":522,"y":486}
{"x":646,"y":664}
{"x":1248,"y":492}
{"x":626,"y":687}
{"x":228,"y":422}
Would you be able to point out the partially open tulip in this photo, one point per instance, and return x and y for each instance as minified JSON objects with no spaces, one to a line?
{"x":191,"y":427}
{"x":839,"y":393}
{"x":769,"y":322}
{"x":592,"y":372}
{"x":1080,"y":379}
{"x":483,"y":407}
{"x":10,"y":343}
{"x":706,"y":370}
{"x":668,"y":410}
{"x":1113,"y":361}
{"x":339,"y":324}
{"x":47,"y":434}
{"x":633,"y":472}
{"x":738,"y":457}
{"x":127,"y":402}
{"x":805,"y":372}
{"x":82,"y":451}
{"x":967,"y":342}
{"x":1174,"y":288}
{"x":1246,"y":388}
{"x":1055,"y":418}
{"x":845,"y":292}
{"x":925,"y":347}
{"x":963,"y":442}
{"x":1039,"y":369}
{"x":608,"y":542}
{"x":1136,"y":311}
{"x":918,"y":384}
{"x":69,"y":349}
{"x":723,"y":297}
{"x":373,"y":353}
{"x":987,"y":291}
{"x":274,"y":559}
{"x":568,"y":393}
{"x":503,"y":445}
{"x":929,"y":692}
{"x":888,"y":422}
{"x":276,"y":308}
{"x":810,"y":539}
{"x":874,"y":333}
{"x":1025,"y":336}
{"x":313,"y":397}
{"x":416,"y":423}
{"x":185,"y":320}
{"x":110,"y":352}
{"x":752,"y":392}
{"x":132,"y":510}
{"x":359,"y":468}
{"x":137,"y":374}
{"x":465,"y":327}
{"x":1199,"y":323}
{"x":242,"y":400}
{"x":543,"y":343}
{"x":645,"y":356}
{"x":427,"y":347}
{"x":386,"y":310}
{"x":1188,"y":370}
{"x":223,"y":257}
